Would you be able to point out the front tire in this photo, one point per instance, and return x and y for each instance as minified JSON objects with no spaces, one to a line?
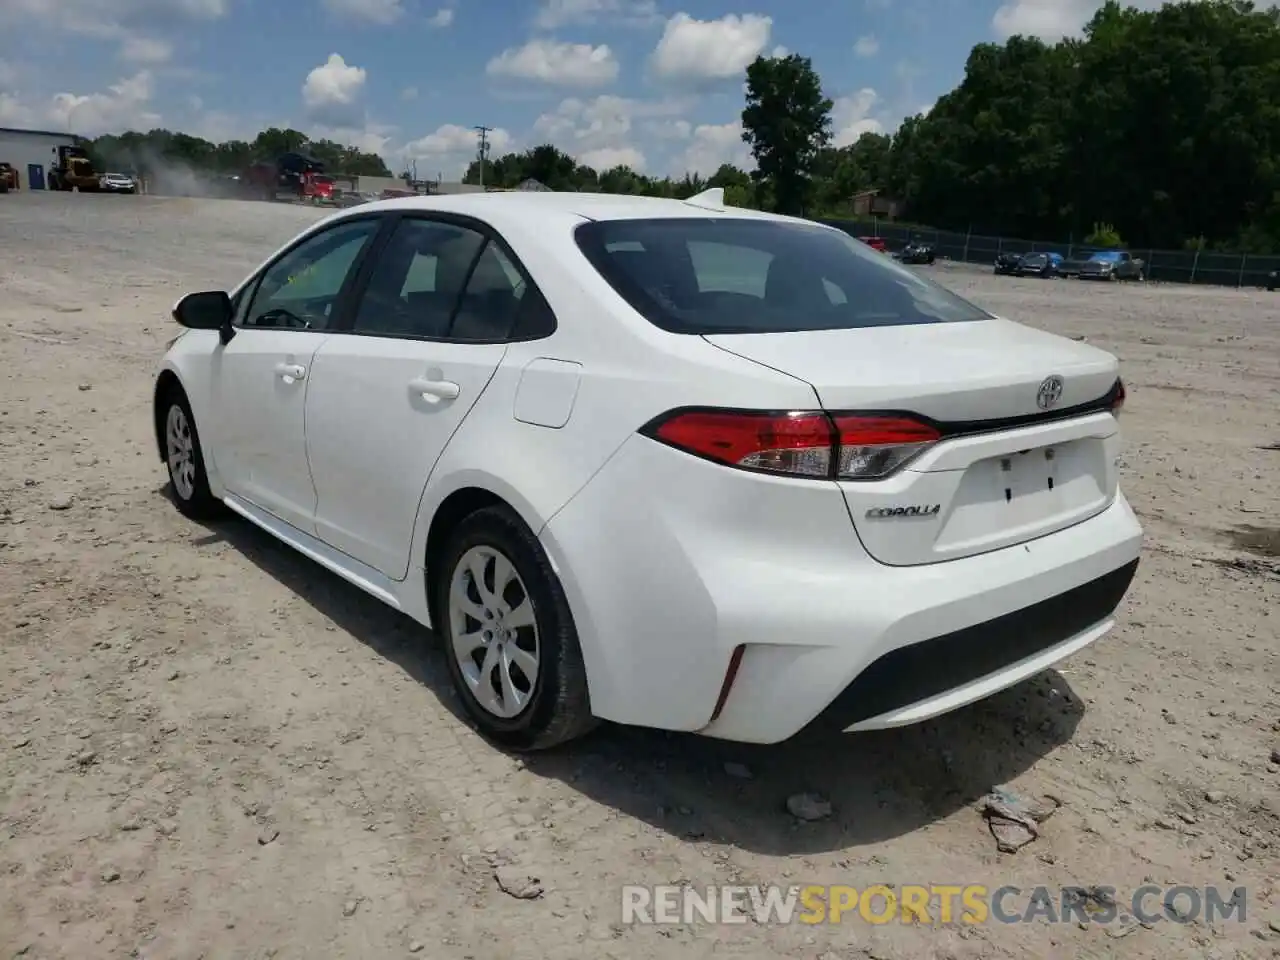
{"x":509,"y":636}
{"x":188,"y":478}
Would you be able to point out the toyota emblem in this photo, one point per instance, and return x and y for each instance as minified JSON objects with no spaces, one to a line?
{"x":1050,"y":392}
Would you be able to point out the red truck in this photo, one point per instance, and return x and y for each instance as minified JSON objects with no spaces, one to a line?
{"x":293,"y":176}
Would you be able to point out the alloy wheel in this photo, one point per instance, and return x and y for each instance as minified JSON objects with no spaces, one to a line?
{"x":180,"y":448}
{"x":494,"y":631}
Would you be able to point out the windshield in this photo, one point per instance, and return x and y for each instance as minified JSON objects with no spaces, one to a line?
{"x":323,"y":179}
{"x":1106,"y":256}
{"x":697,"y":275}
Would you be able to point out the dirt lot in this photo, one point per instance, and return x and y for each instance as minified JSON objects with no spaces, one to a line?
{"x":210,"y":747}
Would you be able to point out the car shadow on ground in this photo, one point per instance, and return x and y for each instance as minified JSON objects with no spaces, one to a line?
{"x":881,"y":785}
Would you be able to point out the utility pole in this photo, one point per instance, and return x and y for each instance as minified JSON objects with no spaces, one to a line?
{"x":484,"y":149}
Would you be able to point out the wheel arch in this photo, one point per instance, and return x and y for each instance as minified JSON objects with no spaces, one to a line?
{"x":455,"y":508}
{"x":166,"y":383}
{"x":179,"y":373}
{"x":469,"y":493}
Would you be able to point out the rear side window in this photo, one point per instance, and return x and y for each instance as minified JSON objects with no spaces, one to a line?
{"x":699,"y":275}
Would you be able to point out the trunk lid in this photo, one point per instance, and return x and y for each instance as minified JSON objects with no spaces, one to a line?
{"x":988,"y":483}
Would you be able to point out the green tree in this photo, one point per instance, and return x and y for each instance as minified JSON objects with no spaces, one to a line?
{"x":786,"y":122}
{"x":147,"y":152}
{"x":1164,"y":122}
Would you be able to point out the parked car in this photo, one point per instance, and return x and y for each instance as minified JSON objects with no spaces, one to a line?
{"x":1039,"y":265}
{"x":875,"y":243}
{"x":917,"y":252}
{"x":1007,"y":263}
{"x":118,"y":183}
{"x":1112,"y":265}
{"x":547,"y":425}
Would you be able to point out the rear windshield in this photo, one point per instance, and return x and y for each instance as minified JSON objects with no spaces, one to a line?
{"x":702,"y":276}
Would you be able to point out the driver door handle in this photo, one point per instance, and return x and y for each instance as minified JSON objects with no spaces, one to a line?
{"x":435,"y":389}
{"x":290,"y":372}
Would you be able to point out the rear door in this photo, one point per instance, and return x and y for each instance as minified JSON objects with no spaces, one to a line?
{"x":431,"y":324}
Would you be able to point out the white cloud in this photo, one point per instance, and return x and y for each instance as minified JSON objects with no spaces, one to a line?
{"x":409,"y":93}
{"x":217,"y":126}
{"x":606,"y":158}
{"x":130,"y":23}
{"x":1052,"y":20}
{"x":124,"y":106}
{"x":451,"y":148}
{"x":603,"y":127}
{"x":695,"y":50}
{"x":560,"y":13}
{"x":332,"y":93}
{"x":866,"y":46}
{"x":557,"y":64}
{"x":710,"y":146}
{"x":851,"y":117}
{"x":380,"y":12}
{"x":371,"y":138}
{"x":15,"y":113}
{"x":139,"y":49}
{"x":441,"y":18}
{"x":85,"y":15}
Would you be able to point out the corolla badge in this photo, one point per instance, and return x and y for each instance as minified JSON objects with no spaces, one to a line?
{"x":919,"y":510}
{"x":1050,"y":392}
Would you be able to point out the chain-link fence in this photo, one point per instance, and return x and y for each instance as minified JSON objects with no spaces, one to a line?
{"x":1170,"y":266}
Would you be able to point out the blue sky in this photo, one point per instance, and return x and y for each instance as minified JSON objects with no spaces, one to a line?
{"x":652,"y":83}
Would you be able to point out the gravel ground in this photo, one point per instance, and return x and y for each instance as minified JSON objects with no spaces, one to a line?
{"x":211,"y":748}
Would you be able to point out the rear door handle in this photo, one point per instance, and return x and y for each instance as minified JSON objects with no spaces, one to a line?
{"x":290,"y":372}
{"x":435,"y":389}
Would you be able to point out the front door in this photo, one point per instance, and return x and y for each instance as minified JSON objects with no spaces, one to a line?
{"x":261,"y":377}
{"x":386,"y":398}
{"x":35,"y":176}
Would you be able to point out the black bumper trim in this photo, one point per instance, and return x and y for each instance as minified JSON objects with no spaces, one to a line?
{"x":926,"y":669}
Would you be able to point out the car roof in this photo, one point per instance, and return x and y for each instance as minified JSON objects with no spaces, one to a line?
{"x":588,"y":206}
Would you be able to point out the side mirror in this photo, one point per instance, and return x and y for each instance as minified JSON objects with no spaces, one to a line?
{"x":210,"y":310}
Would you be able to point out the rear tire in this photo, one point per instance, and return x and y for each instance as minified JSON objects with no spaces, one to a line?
{"x":188,"y":478}
{"x":509,"y":637}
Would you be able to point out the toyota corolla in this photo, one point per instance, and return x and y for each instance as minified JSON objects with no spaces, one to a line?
{"x":660,"y":462}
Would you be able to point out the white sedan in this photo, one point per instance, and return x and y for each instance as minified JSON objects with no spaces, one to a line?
{"x":660,"y":462}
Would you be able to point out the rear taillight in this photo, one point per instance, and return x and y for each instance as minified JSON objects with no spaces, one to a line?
{"x":1117,"y":398}
{"x":805,"y":443}
{"x":872,"y":447}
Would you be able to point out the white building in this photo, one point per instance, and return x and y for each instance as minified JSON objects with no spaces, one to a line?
{"x":32,"y":153}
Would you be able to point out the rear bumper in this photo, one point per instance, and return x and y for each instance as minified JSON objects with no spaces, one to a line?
{"x":671,"y":564}
{"x":935,"y":676}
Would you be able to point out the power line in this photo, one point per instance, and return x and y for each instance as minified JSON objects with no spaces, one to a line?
{"x":483,"y":132}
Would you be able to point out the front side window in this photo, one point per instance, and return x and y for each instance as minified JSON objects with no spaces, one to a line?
{"x":698,"y":275}
{"x":300,"y":290}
